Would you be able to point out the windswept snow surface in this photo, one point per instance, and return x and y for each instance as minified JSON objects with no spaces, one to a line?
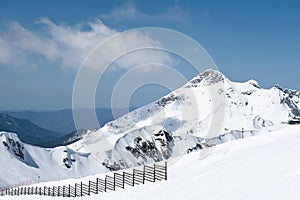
{"x":266,"y":166}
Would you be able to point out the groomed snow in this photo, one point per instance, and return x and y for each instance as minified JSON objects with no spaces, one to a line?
{"x":266,"y":166}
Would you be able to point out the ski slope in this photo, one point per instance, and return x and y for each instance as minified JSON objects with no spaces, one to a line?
{"x":265,"y":166}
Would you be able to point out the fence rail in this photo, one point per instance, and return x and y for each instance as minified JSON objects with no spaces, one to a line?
{"x":109,"y":183}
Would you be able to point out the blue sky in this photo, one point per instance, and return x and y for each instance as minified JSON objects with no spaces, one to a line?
{"x":39,"y":57}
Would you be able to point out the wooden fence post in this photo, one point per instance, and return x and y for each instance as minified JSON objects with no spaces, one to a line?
{"x":144,"y":171}
{"x":166,"y":171}
{"x":123,"y":179}
{"x":97,"y":179}
{"x":114,"y":183}
{"x":133,"y":179}
{"x":154,"y":172}
{"x":69,"y":190}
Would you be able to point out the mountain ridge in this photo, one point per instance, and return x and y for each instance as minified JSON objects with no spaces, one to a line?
{"x":59,"y":120}
{"x":206,"y":107}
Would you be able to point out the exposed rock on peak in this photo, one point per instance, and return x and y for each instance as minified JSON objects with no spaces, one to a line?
{"x":208,"y":77}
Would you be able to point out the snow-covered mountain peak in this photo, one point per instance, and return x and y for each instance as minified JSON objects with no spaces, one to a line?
{"x":208,"y":77}
{"x":208,"y":106}
{"x":254,"y":83}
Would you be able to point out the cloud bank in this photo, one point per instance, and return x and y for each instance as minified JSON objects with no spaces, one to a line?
{"x":67,"y":46}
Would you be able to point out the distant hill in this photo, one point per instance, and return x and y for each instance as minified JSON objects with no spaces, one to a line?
{"x":61,"y":120}
{"x":27,"y":131}
{"x":66,"y":139}
{"x":32,"y":134}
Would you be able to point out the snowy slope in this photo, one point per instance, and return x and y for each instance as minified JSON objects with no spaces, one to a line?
{"x":209,"y":110}
{"x":266,"y":166}
{"x":22,"y":162}
{"x":208,"y":106}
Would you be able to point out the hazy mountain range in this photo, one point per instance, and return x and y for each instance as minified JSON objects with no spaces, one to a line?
{"x":60,"y":121}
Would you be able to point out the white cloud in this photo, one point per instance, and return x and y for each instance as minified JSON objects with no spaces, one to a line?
{"x":129,"y":11}
{"x":28,"y":41}
{"x":121,"y":44}
{"x":6,"y":53}
{"x":126,"y":11}
{"x":17,"y":45}
{"x":68,"y":46}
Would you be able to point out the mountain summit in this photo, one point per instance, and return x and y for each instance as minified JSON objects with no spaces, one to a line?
{"x":209,"y":76}
{"x":208,"y":110}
